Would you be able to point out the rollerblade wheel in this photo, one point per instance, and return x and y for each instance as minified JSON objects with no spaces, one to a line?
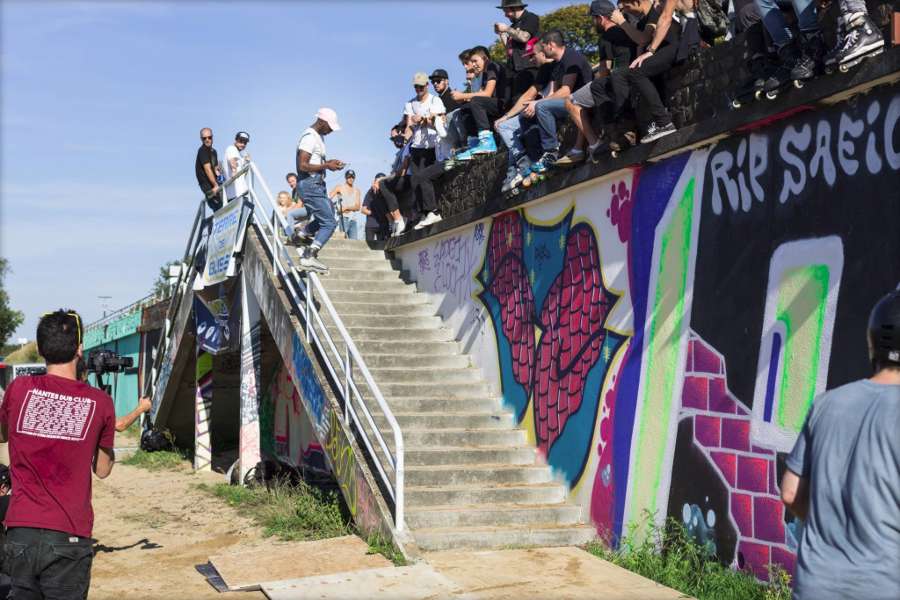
{"x":526,"y":183}
{"x":844,"y":68}
{"x":757,"y":95}
{"x":798,"y":83}
{"x":771,"y":95}
{"x":735,"y":103}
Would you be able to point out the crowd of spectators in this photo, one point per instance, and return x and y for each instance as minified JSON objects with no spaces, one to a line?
{"x":616,"y":101}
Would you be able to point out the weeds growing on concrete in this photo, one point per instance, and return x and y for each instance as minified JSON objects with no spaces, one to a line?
{"x":669,"y":556}
{"x":379,"y":545}
{"x":288,"y":512}
{"x":157,"y":461}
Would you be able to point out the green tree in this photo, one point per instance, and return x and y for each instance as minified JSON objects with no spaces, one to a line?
{"x":161,"y":287}
{"x":9,"y":319}
{"x":576,"y":26}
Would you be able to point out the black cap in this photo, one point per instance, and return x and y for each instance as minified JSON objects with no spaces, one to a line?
{"x":379,"y":175}
{"x":242,"y":136}
{"x":602,"y":8}
{"x":349,"y":174}
{"x":884,"y":330}
{"x":512,"y":4}
{"x":439,"y":74}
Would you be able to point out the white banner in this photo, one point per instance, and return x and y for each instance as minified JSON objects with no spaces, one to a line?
{"x":220,"y":247}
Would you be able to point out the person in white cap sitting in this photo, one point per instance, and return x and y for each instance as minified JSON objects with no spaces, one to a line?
{"x":311,"y":167}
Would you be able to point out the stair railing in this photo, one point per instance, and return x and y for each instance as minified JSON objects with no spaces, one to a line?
{"x":311,"y":300}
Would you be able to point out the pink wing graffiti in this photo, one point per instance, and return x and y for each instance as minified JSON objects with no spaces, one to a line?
{"x":510,"y":285}
{"x":573,"y":334}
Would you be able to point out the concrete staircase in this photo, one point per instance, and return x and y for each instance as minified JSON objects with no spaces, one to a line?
{"x":472,"y":479}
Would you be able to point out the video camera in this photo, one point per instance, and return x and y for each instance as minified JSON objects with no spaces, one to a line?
{"x":107,"y":361}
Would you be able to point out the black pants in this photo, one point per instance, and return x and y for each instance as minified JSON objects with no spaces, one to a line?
{"x":391,"y":188}
{"x":423,"y":185}
{"x":650,"y":105}
{"x":484,"y":111}
{"x":47,"y":565}
{"x":611,"y":93}
{"x":421,"y":158}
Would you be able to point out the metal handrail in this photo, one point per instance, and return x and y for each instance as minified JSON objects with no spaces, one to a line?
{"x":305,"y":291}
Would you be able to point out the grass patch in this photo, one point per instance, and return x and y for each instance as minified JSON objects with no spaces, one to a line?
{"x":156,"y":461}
{"x":669,"y":556}
{"x":288,"y":512}
{"x":379,"y":545}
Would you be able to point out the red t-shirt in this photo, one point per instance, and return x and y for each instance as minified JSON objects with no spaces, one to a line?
{"x":55,"y":426}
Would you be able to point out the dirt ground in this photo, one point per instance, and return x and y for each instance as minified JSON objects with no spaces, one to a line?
{"x":154,"y":527}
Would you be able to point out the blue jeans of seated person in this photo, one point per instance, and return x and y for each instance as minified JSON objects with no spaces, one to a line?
{"x":291,"y":218}
{"x":315,"y":200}
{"x":775,"y":24}
{"x":547,"y":112}
{"x":511,"y":132}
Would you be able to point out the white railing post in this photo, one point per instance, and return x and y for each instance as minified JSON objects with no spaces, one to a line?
{"x":347,"y":375}
{"x":309,"y":305}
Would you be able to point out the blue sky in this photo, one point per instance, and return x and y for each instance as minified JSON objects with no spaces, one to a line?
{"x":102,"y":104}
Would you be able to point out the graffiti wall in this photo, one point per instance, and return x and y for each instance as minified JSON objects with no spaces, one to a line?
{"x":661,"y":333}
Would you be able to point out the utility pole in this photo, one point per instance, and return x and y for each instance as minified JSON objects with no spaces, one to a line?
{"x":104,"y":303}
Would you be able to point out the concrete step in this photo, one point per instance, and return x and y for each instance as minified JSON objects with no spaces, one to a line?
{"x":439,"y":455}
{"x":397,"y":285}
{"x":389,"y":321}
{"x":372,"y":311}
{"x":353,"y":262}
{"x":389,"y":334}
{"x":500,"y":474}
{"x":445,"y":420}
{"x":410,"y":362}
{"x":377,"y":298}
{"x":463,"y":437}
{"x":541,"y":493}
{"x":440,"y":538}
{"x":339,"y":242}
{"x":430,"y":404}
{"x":494,"y":515}
{"x":394,"y":390}
{"x":359,"y":274}
{"x":428,"y":375}
{"x":371,"y":348}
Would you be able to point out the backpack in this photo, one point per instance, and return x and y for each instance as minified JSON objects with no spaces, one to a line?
{"x":713,"y":20}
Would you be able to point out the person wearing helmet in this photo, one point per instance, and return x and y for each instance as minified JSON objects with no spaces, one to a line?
{"x":843,"y":477}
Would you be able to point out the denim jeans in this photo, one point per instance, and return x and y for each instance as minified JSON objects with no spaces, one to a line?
{"x":47,"y":565}
{"x":775,"y":24}
{"x":291,"y":218}
{"x":510,"y":132}
{"x":351,"y":226}
{"x":315,"y":199}
{"x":547,"y":112}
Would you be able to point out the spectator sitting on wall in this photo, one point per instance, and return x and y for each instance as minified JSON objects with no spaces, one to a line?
{"x":375,"y":210}
{"x":513,"y":126}
{"x":843,"y":477}
{"x":293,"y":213}
{"x":207,"y":169}
{"x":391,"y":185}
{"x":291,"y":179}
{"x":454,"y":131}
{"x":521,"y":32}
{"x":660,"y":45}
{"x":609,"y":90}
{"x":484,"y":105}
{"x":312,"y":164}
{"x":347,"y":200}
{"x":571,"y":70}
{"x":424,"y":115}
{"x":236,"y":157}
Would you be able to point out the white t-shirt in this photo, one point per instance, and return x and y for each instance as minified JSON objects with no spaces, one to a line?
{"x":425,"y":137}
{"x":240,"y":186}
{"x":312,"y":142}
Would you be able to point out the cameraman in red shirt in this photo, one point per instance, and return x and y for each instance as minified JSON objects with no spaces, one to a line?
{"x":59,"y":430}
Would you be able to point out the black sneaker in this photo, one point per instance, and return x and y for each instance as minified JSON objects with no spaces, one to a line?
{"x":309,"y":260}
{"x":654,"y":132}
{"x":862,"y":38}
{"x":300,"y":238}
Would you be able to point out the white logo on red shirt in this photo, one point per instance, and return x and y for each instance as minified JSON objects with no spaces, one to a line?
{"x":56,"y":416}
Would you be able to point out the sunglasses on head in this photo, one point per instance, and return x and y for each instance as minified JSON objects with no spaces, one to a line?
{"x":74,"y":315}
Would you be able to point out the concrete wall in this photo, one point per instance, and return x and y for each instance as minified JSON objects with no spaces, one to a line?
{"x":661,"y":333}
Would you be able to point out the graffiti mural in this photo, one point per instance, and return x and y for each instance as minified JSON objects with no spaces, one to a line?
{"x":287,"y":433}
{"x":543,"y":288}
{"x":662,"y":336}
{"x":202,"y":408}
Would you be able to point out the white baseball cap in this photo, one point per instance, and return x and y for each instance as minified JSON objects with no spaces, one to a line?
{"x":329,"y":116}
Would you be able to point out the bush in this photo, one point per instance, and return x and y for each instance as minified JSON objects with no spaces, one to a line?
{"x":670,"y":557}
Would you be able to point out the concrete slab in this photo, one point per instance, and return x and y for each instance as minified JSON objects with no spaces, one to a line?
{"x":565,"y":572}
{"x":249,"y":568}
{"x":394,"y":583}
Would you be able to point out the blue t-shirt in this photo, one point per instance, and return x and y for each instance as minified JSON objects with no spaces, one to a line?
{"x":849,"y":452}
